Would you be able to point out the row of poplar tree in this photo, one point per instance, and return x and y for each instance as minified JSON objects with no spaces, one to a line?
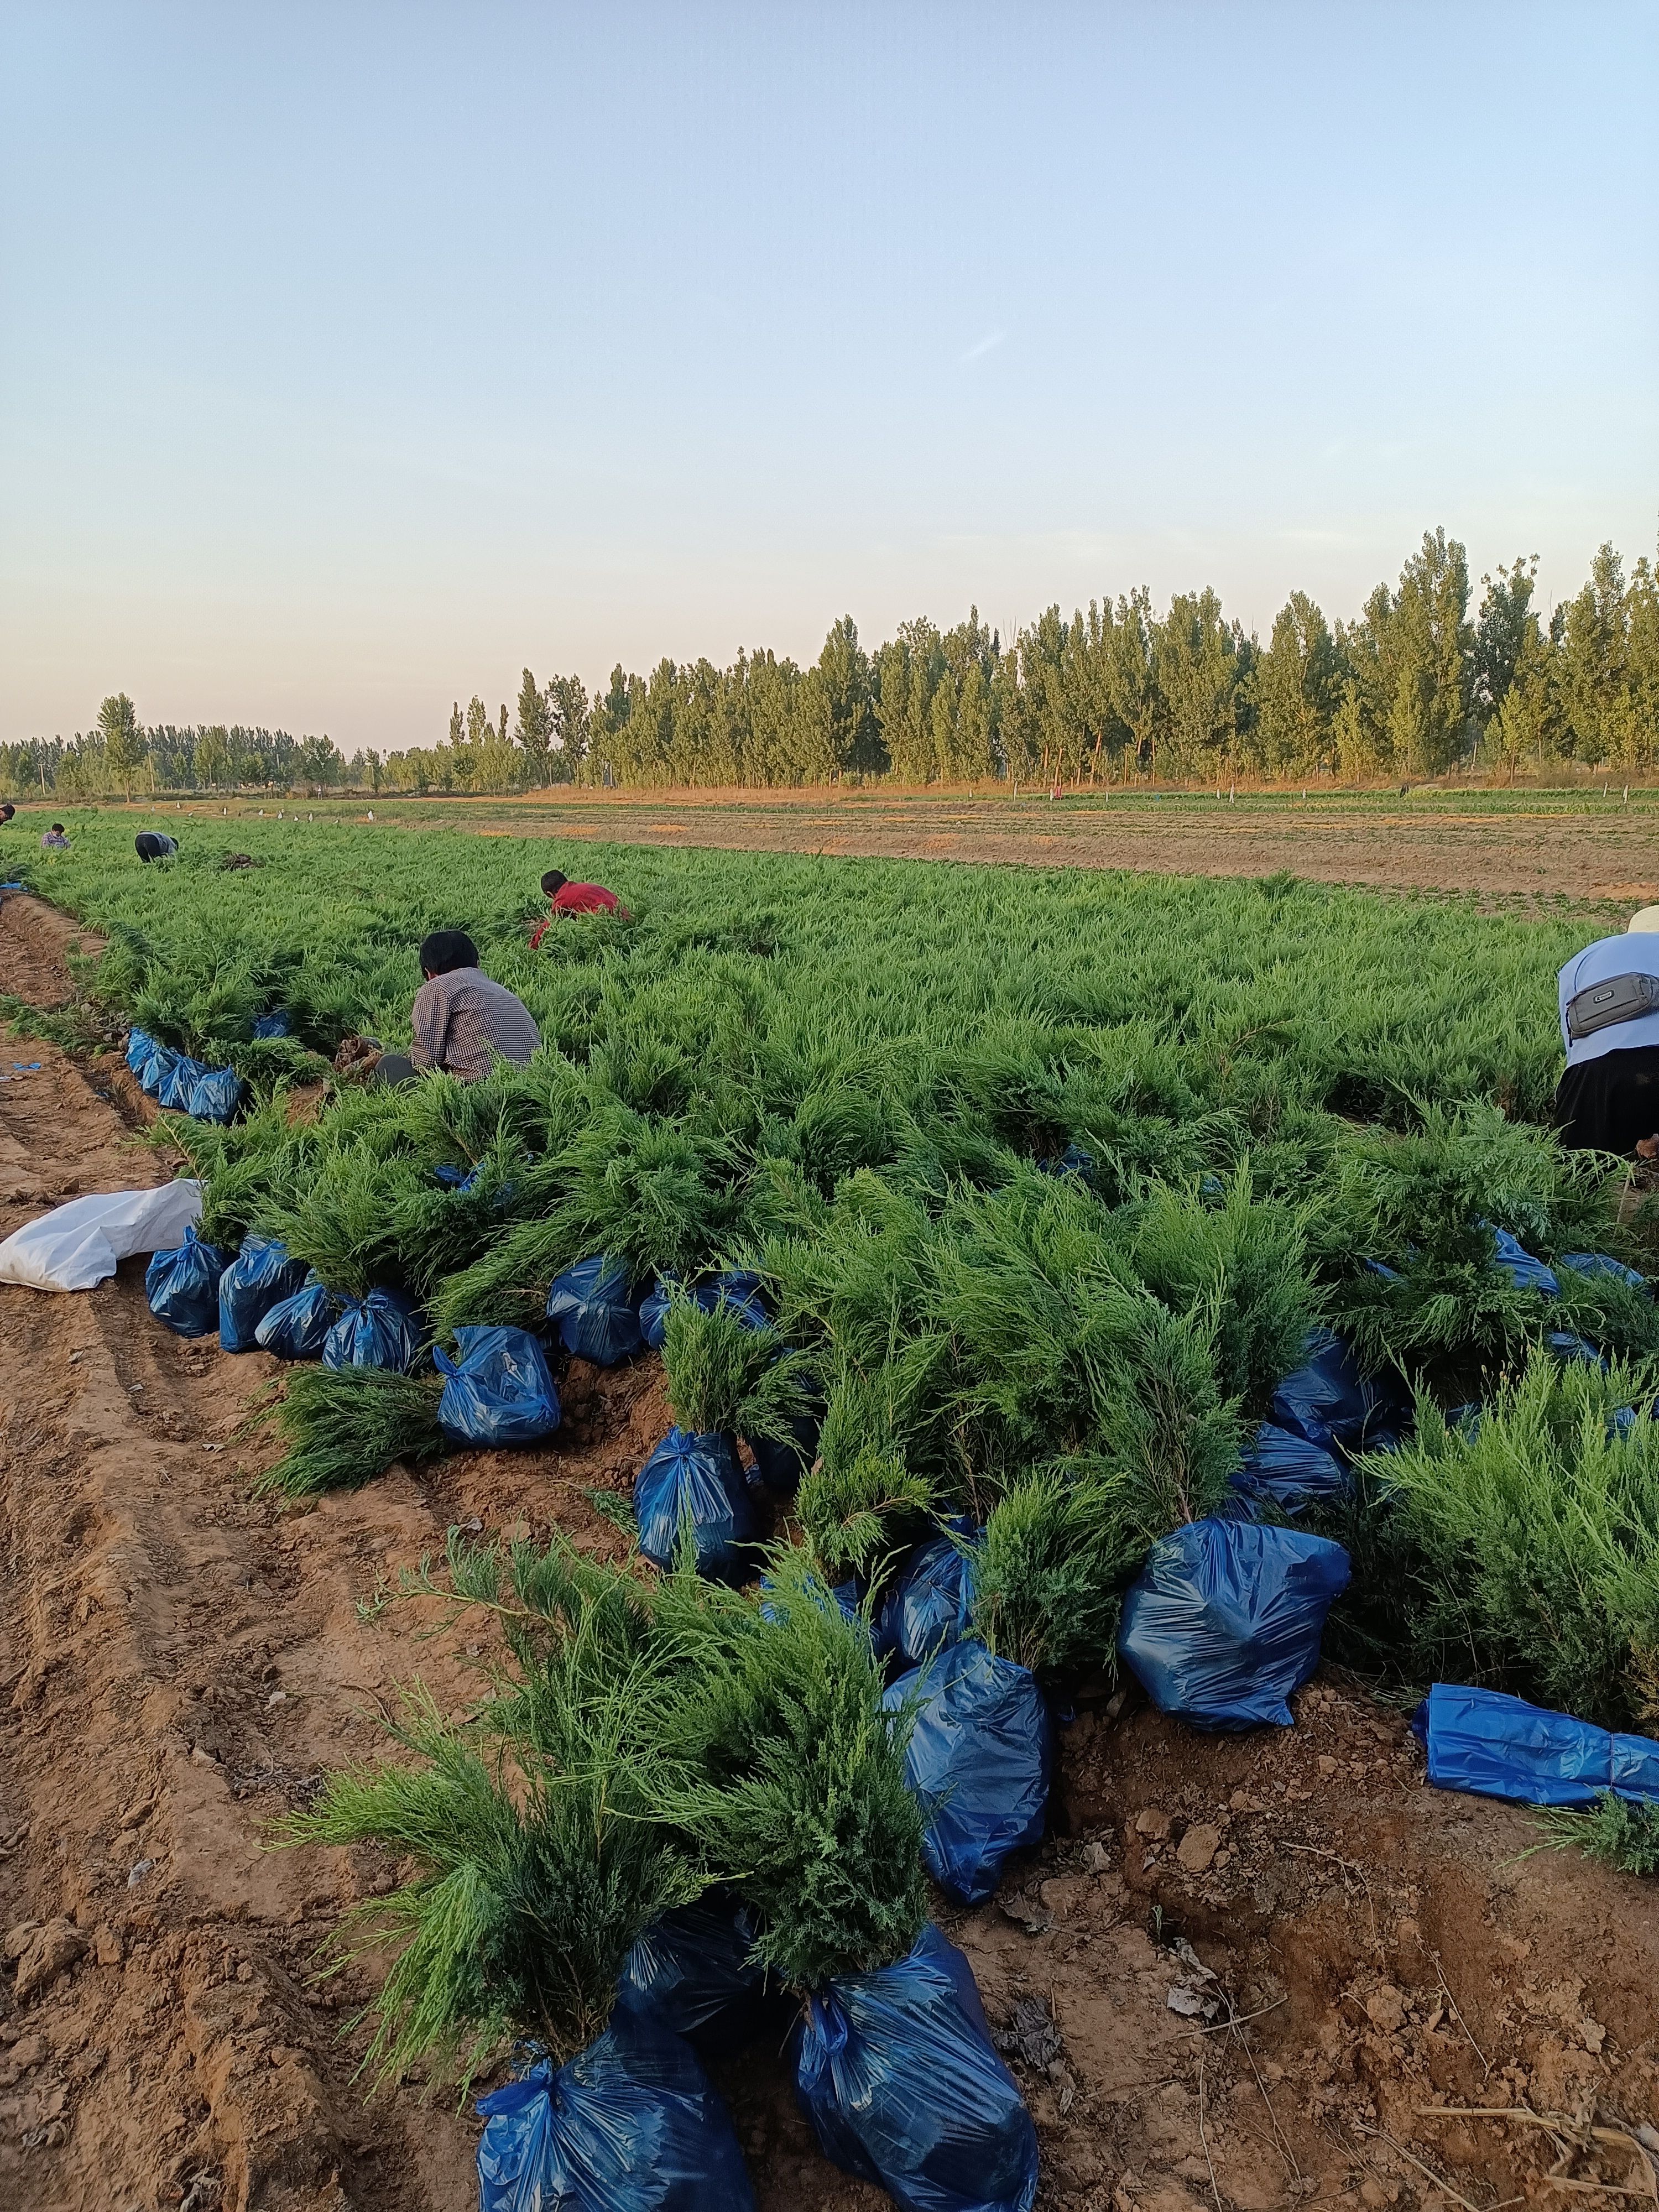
{"x":1416,"y":686}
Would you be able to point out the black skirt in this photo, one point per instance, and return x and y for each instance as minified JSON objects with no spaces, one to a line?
{"x":1607,"y":1104}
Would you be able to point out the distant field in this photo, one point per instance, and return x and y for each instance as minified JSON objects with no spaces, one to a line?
{"x":1499,"y":845}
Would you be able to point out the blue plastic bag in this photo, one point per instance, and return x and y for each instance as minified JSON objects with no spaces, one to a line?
{"x":594,"y":1304}
{"x":1567,"y":1345}
{"x":691,"y":1971}
{"x":979,"y":1759}
{"x":1288,"y":1471}
{"x":630,"y":2125}
{"x":737,"y":1290}
{"x":845,"y":1594}
{"x":781,"y":1464}
{"x":214,"y":1097}
{"x":260,"y":1277}
{"x":1602,"y":1263}
{"x":1224,"y":1621}
{"x":694,"y":1478}
{"x":898,"y":2074}
{"x":499,"y":1391}
{"x":182,"y":1286}
{"x":1076,"y":1161}
{"x":1501,"y":1747}
{"x":141,"y":1049}
{"x":929,"y":1606}
{"x":271,"y":1025}
{"x":382,"y":1330}
{"x":157,"y":1068}
{"x":1526,"y":1273}
{"x":1328,"y":1400}
{"x":297,"y":1327}
{"x":178,"y":1083}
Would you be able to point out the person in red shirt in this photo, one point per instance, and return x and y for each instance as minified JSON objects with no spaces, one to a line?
{"x":567,"y":897}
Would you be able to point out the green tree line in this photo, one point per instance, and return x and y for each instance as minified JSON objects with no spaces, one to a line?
{"x":1424,"y":680}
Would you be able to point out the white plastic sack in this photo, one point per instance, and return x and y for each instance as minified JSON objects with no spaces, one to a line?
{"x":76,"y":1246}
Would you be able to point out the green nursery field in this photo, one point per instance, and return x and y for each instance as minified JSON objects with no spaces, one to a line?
{"x":1045,"y":1177}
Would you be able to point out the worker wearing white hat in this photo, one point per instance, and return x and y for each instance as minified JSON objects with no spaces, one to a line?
{"x":1608,"y":1099}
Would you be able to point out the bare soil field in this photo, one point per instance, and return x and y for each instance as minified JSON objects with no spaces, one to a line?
{"x":1581,"y":848}
{"x":1241,"y":1973}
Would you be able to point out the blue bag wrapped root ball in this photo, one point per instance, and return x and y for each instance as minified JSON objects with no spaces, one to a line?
{"x":297,"y":1327}
{"x":1524,"y":1270}
{"x":1224,"y":1621}
{"x":382,"y":1330}
{"x":630,"y":2125}
{"x":141,"y":1049}
{"x":1329,"y":1401}
{"x":929,"y":1605}
{"x":898,"y":2074}
{"x":781,"y":1463}
{"x":595,"y":1306}
{"x":154,"y":1074}
{"x":1286,"y":1471}
{"x":271,"y":1025}
{"x":214,"y":1097}
{"x":1497,"y":1746}
{"x":979,"y":1761}
{"x":498,"y":1391}
{"x":179,"y":1081}
{"x":737,"y":1290}
{"x":697,"y":1480}
{"x":260,"y":1277}
{"x":691,"y":1972}
{"x":182,"y":1286}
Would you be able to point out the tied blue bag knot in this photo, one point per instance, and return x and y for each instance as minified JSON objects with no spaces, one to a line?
{"x":1287,"y":1471}
{"x":382,"y":1330}
{"x":737,"y":1290}
{"x":979,"y":1761}
{"x":630,"y":2125}
{"x":498,"y":1391}
{"x":297,"y":1326}
{"x":898,"y":2077}
{"x":692,"y":1971}
{"x":695,"y":1479}
{"x":594,"y":1304}
{"x":1496,"y":1746}
{"x":260,"y":1277}
{"x":930,"y":1604}
{"x":1328,"y":1401}
{"x":182,"y":1286}
{"x":1224,"y":1621}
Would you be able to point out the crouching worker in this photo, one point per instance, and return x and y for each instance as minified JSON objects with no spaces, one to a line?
{"x":462,"y":1019}
{"x":566,"y":897}
{"x":1608,"y":1099}
{"x":150,"y":845}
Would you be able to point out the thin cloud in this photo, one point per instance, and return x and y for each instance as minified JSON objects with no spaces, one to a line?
{"x":981,"y":347}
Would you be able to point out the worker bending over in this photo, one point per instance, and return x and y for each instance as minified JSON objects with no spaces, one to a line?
{"x":462,"y":1020}
{"x":1608,"y":1099}
{"x":567,"y":897}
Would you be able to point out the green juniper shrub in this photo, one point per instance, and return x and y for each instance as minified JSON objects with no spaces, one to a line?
{"x":1622,"y":1835}
{"x":1532,"y":1536}
{"x":344,"y":1427}
{"x":724,"y":1377}
{"x":1050,"y":1569}
{"x":785,"y":1772}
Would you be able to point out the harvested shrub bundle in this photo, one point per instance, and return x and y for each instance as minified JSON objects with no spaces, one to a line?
{"x":344,"y":1427}
{"x":1526,"y":1545}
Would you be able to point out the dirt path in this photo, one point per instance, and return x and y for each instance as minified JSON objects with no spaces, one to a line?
{"x":179,"y":1660}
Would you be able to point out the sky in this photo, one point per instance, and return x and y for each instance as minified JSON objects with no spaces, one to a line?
{"x":353,"y":357}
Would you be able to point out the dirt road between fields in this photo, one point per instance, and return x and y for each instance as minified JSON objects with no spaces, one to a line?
{"x":180,"y":1660}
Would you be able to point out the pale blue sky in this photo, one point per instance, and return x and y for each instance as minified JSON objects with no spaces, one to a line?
{"x":352,"y":356}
